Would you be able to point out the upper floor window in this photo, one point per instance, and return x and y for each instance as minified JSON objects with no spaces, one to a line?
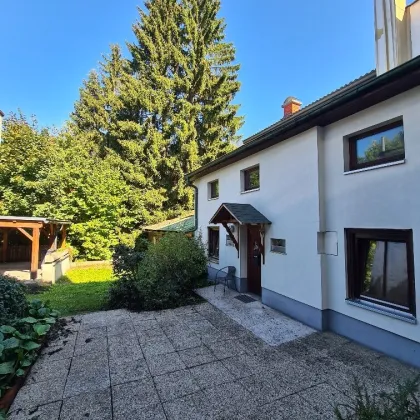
{"x":251,"y":178}
{"x":377,"y":146}
{"x":380,"y":264}
{"x":213,"y":189}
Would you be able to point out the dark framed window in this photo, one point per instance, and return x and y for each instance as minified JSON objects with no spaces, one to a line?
{"x":378,"y":146}
{"x":251,"y":178}
{"x":214,"y":189}
{"x":213,"y":238}
{"x":380,"y":267}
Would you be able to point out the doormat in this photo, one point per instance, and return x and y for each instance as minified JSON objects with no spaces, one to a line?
{"x":245,"y":298}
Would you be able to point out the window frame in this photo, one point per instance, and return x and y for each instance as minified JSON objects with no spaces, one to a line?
{"x":213,"y":257}
{"x":354,"y":268}
{"x":352,"y":146}
{"x":246,"y":178}
{"x":210,"y":190}
{"x":281,"y":251}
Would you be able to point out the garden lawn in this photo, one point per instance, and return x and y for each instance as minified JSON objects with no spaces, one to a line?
{"x":81,"y":290}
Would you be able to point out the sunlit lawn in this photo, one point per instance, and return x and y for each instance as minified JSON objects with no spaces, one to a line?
{"x":82,"y":289}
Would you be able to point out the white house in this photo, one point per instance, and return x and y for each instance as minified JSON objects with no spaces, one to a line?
{"x":320,"y":212}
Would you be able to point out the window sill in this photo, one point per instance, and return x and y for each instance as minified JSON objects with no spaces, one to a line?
{"x":369,"y":168}
{"x":212,"y":199}
{"x":250,"y":191}
{"x":213,"y":260}
{"x":393,"y":313}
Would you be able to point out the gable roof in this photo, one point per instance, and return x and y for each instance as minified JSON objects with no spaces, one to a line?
{"x":182,"y":224}
{"x":242,"y":213}
{"x":360,"y":94}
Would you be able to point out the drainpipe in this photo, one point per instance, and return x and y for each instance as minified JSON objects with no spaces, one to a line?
{"x":195,"y":207}
{"x":190,"y":184}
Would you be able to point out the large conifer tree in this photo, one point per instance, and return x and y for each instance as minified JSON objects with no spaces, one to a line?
{"x":168,"y":108}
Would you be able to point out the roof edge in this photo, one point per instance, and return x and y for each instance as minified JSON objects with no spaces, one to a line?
{"x":283,"y":129}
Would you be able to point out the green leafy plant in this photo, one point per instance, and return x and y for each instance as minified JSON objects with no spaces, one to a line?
{"x":400,"y":404}
{"x":165,"y":278}
{"x":125,"y":259}
{"x":12,"y":299}
{"x":20,"y":341}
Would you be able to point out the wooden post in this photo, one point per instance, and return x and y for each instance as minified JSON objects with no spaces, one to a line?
{"x":64,"y":237}
{"x":35,"y":253}
{"x":5,"y":243}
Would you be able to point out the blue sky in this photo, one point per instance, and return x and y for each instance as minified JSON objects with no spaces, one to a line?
{"x":301,"y":48}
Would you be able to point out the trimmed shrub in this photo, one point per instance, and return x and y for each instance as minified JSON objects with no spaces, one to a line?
{"x":125,"y":260}
{"x":400,"y":404}
{"x":166,"y":276}
{"x":12,"y":299}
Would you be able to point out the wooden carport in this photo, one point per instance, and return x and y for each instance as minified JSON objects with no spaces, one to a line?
{"x":32,"y":228}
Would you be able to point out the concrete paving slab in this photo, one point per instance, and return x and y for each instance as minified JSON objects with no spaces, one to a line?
{"x":196,"y":356}
{"x":189,"y":407}
{"x":122,"y":370}
{"x":52,"y":353}
{"x":175,"y":385}
{"x":131,"y":398}
{"x":47,"y":370}
{"x":125,"y":347}
{"x":40,"y":393}
{"x":211,"y":374}
{"x":90,"y":405}
{"x":226,"y":348}
{"x":49,"y":411}
{"x":164,"y":363}
{"x":158,"y":346}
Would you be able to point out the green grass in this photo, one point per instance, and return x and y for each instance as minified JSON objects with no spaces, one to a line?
{"x":81,"y":290}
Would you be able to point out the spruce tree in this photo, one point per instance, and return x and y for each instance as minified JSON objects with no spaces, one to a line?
{"x":167,"y":109}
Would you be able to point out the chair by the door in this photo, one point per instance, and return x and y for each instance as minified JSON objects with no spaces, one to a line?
{"x":227,"y":276}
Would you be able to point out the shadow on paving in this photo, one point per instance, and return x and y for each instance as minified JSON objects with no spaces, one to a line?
{"x":194,"y":363}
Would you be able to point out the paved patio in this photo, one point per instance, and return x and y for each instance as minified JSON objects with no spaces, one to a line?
{"x":193,"y":363}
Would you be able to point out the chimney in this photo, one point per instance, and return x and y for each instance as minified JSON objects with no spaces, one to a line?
{"x":290,"y":106}
{"x":392,"y":34}
{"x":1,"y":122}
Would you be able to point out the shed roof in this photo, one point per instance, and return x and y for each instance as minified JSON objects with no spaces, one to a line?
{"x":241,"y":213}
{"x":183,"y":224}
{"x":44,"y":220}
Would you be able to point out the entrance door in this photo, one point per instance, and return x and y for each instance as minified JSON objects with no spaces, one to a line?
{"x":254,"y":260}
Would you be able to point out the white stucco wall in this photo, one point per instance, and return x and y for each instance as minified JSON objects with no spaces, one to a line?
{"x":378,"y":198}
{"x":288,"y":197}
{"x":415,"y":28}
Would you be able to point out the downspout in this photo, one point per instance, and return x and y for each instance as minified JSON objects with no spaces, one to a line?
{"x":195,"y":207}
{"x":190,"y":184}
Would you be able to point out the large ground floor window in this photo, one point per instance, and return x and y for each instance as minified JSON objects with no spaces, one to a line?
{"x":380,"y":267}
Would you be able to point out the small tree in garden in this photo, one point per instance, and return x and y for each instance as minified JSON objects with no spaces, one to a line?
{"x":166,"y":276}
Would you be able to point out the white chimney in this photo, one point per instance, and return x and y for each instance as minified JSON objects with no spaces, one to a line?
{"x":392,"y":34}
{"x":1,"y":122}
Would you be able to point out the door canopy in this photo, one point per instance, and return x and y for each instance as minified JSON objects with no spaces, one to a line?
{"x":244,"y":214}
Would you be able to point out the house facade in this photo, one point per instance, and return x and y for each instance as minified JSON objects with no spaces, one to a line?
{"x":320,"y":212}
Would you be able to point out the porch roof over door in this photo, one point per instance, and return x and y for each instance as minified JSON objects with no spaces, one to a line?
{"x":238,"y":213}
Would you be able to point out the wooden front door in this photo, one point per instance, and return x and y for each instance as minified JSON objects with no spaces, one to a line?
{"x":254,"y":260}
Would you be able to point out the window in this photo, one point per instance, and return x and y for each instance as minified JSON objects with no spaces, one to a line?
{"x":278,"y":246}
{"x":213,"y":189}
{"x":378,"y":146}
{"x":380,"y":267}
{"x":251,"y":178}
{"x":213,"y":237}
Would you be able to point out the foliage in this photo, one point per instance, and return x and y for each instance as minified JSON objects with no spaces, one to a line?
{"x":167,"y":108}
{"x":12,"y":299}
{"x":81,"y":290}
{"x":400,"y":404}
{"x":125,"y":259}
{"x":20,"y":341}
{"x":165,"y":278}
{"x":62,"y":177}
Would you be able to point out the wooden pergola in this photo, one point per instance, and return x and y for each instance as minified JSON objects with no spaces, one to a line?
{"x":32,"y":228}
